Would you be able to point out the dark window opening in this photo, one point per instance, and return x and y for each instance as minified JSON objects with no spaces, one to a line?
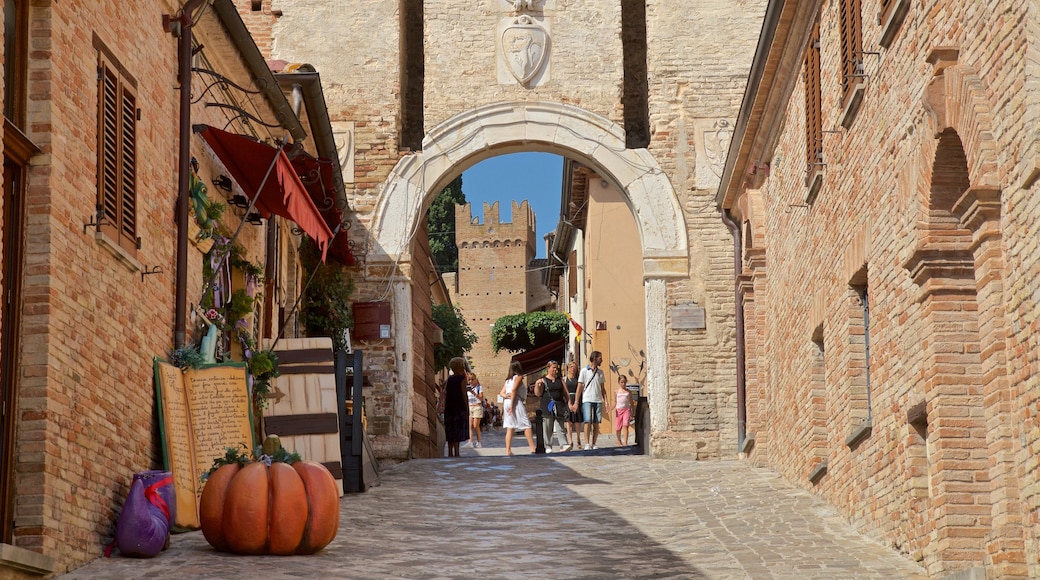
{"x":858,"y":283}
{"x":413,"y":71}
{"x":634,"y":97}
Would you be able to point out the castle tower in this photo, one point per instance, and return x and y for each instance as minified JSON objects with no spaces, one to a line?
{"x":492,"y":279}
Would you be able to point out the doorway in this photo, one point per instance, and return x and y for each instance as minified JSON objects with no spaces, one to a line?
{"x":17,"y":151}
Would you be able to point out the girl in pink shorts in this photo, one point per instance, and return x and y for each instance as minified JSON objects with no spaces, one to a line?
{"x":622,"y":410}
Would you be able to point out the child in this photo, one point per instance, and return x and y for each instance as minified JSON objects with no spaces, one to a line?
{"x":622,"y":411}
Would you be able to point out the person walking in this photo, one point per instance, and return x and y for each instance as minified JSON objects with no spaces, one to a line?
{"x":514,"y":413}
{"x":476,"y":407}
{"x":553,"y":405}
{"x":592,"y":391}
{"x":573,"y":406}
{"x":622,"y":410}
{"x":456,"y":411}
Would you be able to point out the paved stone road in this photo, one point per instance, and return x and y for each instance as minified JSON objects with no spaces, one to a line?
{"x":590,"y":514}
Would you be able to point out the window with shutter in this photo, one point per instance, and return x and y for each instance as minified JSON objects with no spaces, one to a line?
{"x":891,"y":18}
{"x":851,"y":48}
{"x":117,"y":154}
{"x":813,"y":116}
{"x":813,"y":94}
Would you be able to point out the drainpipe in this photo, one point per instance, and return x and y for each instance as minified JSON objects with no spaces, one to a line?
{"x":180,"y":26}
{"x":738,"y":311}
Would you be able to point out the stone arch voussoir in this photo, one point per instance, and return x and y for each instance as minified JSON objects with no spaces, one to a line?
{"x":510,"y":127}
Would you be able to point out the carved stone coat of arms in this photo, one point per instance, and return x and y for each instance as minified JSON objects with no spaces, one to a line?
{"x":525,"y":48}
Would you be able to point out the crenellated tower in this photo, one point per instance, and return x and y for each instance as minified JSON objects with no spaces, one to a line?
{"x":493,"y":279}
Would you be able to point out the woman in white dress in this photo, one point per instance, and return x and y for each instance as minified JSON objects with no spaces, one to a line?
{"x":514,"y":413}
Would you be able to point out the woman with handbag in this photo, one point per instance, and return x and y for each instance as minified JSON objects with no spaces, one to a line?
{"x":553,"y":405}
{"x":514,"y":413}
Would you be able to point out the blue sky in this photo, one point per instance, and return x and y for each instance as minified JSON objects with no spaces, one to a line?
{"x":516,"y":177}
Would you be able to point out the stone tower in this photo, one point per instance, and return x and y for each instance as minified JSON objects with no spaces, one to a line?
{"x":492,"y":279}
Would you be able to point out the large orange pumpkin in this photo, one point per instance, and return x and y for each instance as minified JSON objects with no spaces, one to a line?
{"x":282,"y":509}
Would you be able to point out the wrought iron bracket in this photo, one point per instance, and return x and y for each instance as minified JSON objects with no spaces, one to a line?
{"x":149,"y":271}
{"x":243,"y":114}
{"x":97,"y":220}
{"x":221,"y":81}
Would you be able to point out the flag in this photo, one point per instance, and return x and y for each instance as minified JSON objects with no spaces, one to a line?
{"x":577,"y":327}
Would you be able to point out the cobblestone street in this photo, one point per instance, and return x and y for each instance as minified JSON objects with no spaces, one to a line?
{"x":604,"y":513}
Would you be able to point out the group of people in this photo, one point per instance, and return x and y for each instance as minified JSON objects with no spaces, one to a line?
{"x":569,"y":405}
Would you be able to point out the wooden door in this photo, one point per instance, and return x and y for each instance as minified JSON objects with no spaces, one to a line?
{"x":301,"y":408}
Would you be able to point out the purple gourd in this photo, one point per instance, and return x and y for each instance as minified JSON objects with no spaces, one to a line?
{"x":143,"y":528}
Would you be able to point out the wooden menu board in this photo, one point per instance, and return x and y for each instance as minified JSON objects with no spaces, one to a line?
{"x":202,"y":412}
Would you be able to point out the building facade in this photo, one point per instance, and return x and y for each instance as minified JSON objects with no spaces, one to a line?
{"x":109,"y":241}
{"x":645,"y":93}
{"x":881,"y":186}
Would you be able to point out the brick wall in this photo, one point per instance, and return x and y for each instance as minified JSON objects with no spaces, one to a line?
{"x":91,"y":322}
{"x":945,"y":473}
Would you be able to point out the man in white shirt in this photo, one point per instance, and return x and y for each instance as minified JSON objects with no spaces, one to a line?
{"x":592,"y":391}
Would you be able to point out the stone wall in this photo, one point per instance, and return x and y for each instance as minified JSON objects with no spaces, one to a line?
{"x":698,"y":55}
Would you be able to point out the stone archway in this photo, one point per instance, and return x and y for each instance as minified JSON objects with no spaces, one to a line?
{"x":511,"y":127}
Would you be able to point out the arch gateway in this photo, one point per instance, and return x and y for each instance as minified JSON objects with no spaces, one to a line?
{"x":646,"y":95}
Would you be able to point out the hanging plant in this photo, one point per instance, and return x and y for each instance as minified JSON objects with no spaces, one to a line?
{"x":240,"y":307}
{"x":325,"y":308}
{"x":207,"y":212}
{"x":263,"y":365}
{"x":186,"y":358}
{"x":238,"y":261}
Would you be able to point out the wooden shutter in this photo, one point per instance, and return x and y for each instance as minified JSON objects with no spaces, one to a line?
{"x":886,"y":8}
{"x":851,"y":46}
{"x":117,"y":155}
{"x":128,"y":173}
{"x":572,"y":274}
{"x":109,"y":198}
{"x":813,"y":105}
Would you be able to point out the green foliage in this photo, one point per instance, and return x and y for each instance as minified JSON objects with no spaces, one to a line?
{"x":238,"y":261}
{"x":325,"y":308}
{"x":524,"y":331}
{"x":240,"y":306}
{"x":458,"y":338}
{"x":263,"y":365}
{"x":240,"y":456}
{"x":440,"y":223}
{"x":185,"y":357}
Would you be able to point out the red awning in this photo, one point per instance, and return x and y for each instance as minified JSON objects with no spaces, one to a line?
{"x":536,"y":359}
{"x":317,"y":176}
{"x":283,"y":193}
